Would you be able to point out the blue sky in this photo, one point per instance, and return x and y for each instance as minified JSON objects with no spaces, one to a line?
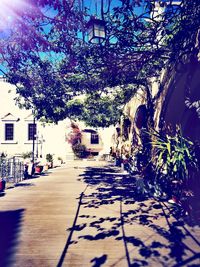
{"x":94,"y":7}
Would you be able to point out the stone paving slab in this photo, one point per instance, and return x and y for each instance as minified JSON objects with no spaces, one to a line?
{"x":85,"y":215}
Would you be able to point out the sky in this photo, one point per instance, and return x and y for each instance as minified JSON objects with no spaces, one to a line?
{"x":10,"y":9}
{"x":95,"y":5}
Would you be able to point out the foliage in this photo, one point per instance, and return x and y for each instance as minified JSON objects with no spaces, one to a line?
{"x":27,"y":155}
{"x":42,"y":88}
{"x":79,"y":150}
{"x":2,"y":156}
{"x":49,"y":157}
{"x":46,"y":55}
{"x":100,"y":111}
{"x":174,"y":155}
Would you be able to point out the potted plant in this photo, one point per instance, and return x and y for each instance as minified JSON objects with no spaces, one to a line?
{"x":38,"y":169}
{"x":60,"y":160}
{"x":174,"y":156}
{"x":2,"y":185}
{"x":49,"y":158}
{"x":79,"y":150}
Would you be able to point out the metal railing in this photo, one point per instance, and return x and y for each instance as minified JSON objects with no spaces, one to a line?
{"x":12,"y":169}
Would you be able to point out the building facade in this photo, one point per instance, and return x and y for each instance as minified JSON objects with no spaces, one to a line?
{"x":21,"y":133}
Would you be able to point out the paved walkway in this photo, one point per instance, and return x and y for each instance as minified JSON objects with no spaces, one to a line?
{"x":78,"y":216}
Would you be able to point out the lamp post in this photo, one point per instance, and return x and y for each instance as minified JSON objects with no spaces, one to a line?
{"x":33,"y":144}
{"x":41,"y":141}
{"x":37,"y":143}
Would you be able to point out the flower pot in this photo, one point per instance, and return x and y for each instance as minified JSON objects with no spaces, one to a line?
{"x":46,"y":167}
{"x":38,"y":169}
{"x":2,"y":184}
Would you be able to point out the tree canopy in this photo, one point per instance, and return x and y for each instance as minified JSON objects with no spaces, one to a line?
{"x":44,"y":51}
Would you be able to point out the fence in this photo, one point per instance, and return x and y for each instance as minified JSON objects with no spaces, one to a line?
{"x":12,"y":169}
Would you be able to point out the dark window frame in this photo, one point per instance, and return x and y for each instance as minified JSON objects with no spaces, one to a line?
{"x":94,"y":138}
{"x":9,"y":131}
{"x":32,"y":130}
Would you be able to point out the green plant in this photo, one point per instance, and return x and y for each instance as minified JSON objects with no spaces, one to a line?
{"x":173,"y":158}
{"x":174,"y":154}
{"x":49,"y":157}
{"x":3,"y":155}
{"x":60,"y":159}
{"x":79,"y":150}
{"x":27,"y":155}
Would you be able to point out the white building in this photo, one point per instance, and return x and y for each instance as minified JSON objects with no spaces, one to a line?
{"x":17,"y":130}
{"x":92,"y":140}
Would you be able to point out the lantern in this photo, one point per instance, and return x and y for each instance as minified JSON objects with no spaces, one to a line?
{"x":96,"y":30}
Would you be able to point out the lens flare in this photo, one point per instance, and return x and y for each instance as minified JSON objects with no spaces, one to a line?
{"x":10,"y":11}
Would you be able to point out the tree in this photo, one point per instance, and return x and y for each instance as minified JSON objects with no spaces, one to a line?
{"x":46,"y":54}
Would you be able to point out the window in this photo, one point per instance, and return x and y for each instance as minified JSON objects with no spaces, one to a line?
{"x":31,"y":131}
{"x":9,"y":131}
{"x":94,"y":138}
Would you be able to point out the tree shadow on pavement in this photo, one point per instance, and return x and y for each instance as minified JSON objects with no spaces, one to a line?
{"x":112,"y":186}
{"x":99,"y":261}
{"x":22,"y":184}
{"x":10,"y":225}
{"x":149,"y":234}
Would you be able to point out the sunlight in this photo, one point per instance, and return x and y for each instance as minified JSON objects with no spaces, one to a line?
{"x":10,"y":11}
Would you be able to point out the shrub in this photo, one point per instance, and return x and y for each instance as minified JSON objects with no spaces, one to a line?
{"x":79,"y":150}
{"x":27,"y":155}
{"x":174,"y":154}
{"x":49,"y":157}
{"x":174,"y":159}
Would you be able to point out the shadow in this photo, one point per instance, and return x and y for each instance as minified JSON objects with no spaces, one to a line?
{"x":99,"y":261}
{"x":125,"y":239}
{"x":45,"y":173}
{"x":24,"y":184}
{"x":10,"y":225}
{"x":112,"y":186}
{"x":37,"y":175}
{"x":34,"y":176}
{"x":72,"y":229}
{"x":102,"y":235}
{"x":109,"y":186}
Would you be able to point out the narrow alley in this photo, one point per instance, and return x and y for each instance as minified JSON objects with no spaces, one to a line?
{"x":87,"y":214}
